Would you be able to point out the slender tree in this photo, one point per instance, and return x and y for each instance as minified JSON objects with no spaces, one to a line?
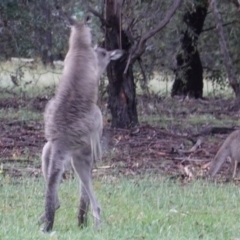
{"x":225,"y":51}
{"x":44,"y":31}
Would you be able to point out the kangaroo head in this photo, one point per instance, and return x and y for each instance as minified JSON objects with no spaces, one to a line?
{"x":80,"y":32}
{"x":104,"y":57}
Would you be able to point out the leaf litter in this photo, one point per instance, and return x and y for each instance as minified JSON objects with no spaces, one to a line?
{"x":183,"y":153}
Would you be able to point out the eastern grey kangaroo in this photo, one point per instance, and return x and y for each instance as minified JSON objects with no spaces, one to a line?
{"x":73,"y":123}
{"x":230,"y":148}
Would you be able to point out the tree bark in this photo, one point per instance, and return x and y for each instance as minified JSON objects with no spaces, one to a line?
{"x":237,"y":4}
{"x":189,"y":71}
{"x":121,"y":88}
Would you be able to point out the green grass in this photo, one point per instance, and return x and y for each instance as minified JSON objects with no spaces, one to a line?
{"x":195,"y":121}
{"x":132,"y":208}
{"x":22,"y":114}
{"x":35,"y":77}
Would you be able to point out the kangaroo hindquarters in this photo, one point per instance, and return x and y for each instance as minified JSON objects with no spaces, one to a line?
{"x":82,"y":162}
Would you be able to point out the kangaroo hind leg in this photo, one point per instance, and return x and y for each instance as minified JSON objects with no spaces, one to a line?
{"x":56,"y":161}
{"x":46,"y":152}
{"x":82,"y":163}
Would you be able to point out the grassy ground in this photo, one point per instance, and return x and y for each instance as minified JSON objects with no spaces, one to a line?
{"x":147,"y":207}
{"x":135,"y":204}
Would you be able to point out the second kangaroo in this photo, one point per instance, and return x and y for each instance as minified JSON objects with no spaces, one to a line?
{"x":230,"y":148}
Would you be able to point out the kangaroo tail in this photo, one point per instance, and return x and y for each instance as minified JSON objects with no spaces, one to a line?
{"x":96,"y":146}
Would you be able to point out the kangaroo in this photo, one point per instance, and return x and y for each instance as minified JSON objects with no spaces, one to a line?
{"x":73,"y":123}
{"x":230,"y":148}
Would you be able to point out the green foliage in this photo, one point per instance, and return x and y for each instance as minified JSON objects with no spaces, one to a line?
{"x":33,"y":29}
{"x":211,"y":54}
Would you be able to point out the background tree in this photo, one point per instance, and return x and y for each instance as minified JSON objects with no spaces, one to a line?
{"x":33,"y":29}
{"x":230,"y":30}
{"x":189,"y":70}
{"x":43,"y":30}
{"x":15,"y":29}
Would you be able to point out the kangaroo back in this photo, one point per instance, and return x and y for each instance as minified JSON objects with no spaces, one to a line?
{"x":76,"y":96}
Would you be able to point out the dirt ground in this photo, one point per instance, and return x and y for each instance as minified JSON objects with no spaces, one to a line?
{"x":173,"y":138}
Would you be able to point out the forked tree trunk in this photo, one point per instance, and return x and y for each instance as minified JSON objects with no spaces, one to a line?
{"x":121,"y":88}
{"x":122,"y":95}
{"x":189,"y":71}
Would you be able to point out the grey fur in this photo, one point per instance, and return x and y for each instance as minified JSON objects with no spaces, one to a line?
{"x":230,"y":148}
{"x":73,"y":124}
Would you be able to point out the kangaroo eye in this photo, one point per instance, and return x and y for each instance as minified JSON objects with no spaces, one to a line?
{"x":103,"y":54}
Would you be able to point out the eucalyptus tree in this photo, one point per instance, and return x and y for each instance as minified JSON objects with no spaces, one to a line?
{"x":128,"y":25}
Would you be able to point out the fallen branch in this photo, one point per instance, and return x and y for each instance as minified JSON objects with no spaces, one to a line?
{"x":215,"y":130}
{"x":189,"y":159}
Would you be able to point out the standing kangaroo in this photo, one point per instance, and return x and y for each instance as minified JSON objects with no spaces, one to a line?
{"x":73,"y":123}
{"x":230,"y":148}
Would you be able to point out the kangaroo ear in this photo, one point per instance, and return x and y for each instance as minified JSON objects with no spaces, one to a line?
{"x":95,"y":47}
{"x":116,"y":54}
{"x":87,"y":19}
{"x":72,"y":21}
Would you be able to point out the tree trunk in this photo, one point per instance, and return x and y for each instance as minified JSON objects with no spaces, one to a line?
{"x":189,"y":71}
{"x":121,"y":88}
{"x":44,"y":34}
